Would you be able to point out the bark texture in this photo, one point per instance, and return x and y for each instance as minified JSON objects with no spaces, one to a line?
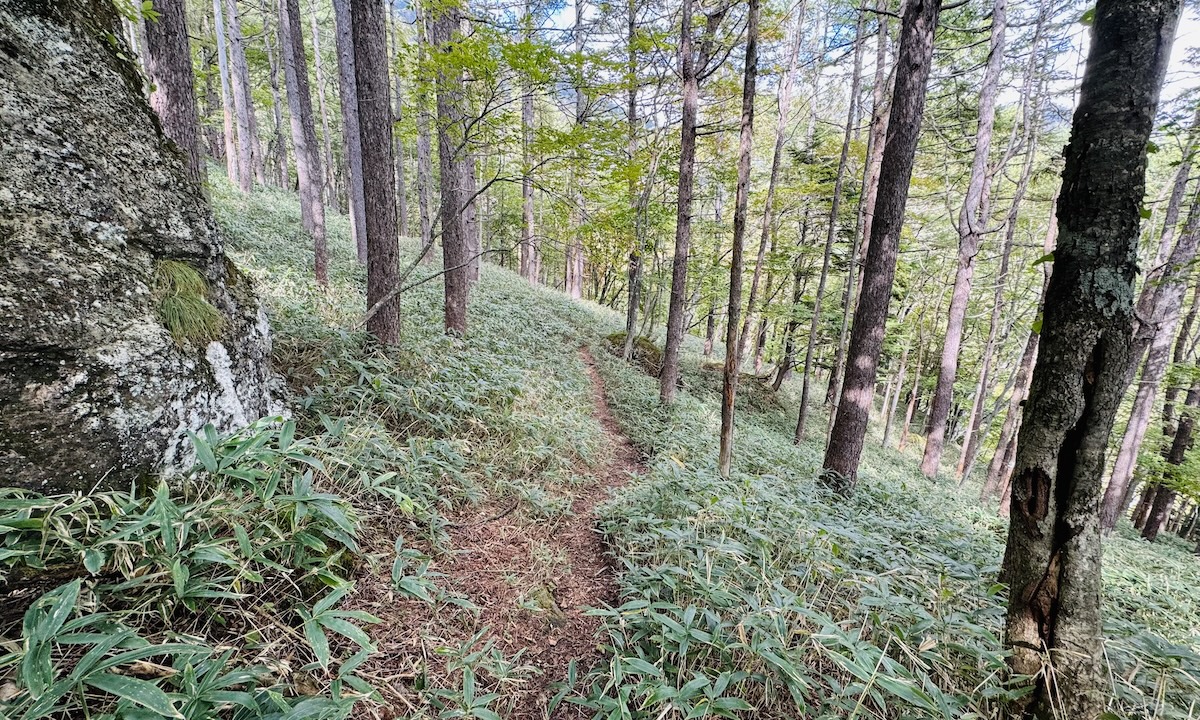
{"x":348,"y":92}
{"x":1052,"y":562}
{"x":96,"y":207}
{"x":304,"y":135}
{"x":169,"y":65}
{"x":972,"y":224}
{"x":733,"y":342}
{"x":375,"y":125}
{"x":443,"y":33}
{"x":870,"y":317}
{"x":243,"y":104}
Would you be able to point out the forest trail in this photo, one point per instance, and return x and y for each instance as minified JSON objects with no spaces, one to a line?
{"x":531,"y":579}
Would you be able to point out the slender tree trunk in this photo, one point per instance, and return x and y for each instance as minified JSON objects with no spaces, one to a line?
{"x":1142,"y":510}
{"x":793,"y":323}
{"x":474,"y":241}
{"x":304,"y":135}
{"x":397,"y":116}
{"x":375,"y":128}
{"x":281,"y":166}
{"x":972,"y":224}
{"x":573,"y":276}
{"x":1170,"y":292}
{"x":915,"y":393}
{"x":424,"y":149}
{"x":741,"y":206}
{"x":1179,"y":356}
{"x":1008,"y":431}
{"x":529,"y":248}
{"x":444,"y":34}
{"x":635,"y":241}
{"x":880,"y":102}
{"x":832,"y":389}
{"x":889,"y":404}
{"x":169,"y":65}
{"x":351,"y":133}
{"x":249,"y":155}
{"x":840,"y":467}
{"x":329,"y":193}
{"x":690,"y":70}
{"x":784,"y":105}
{"x":1164,"y":497}
{"x":231,"y":157}
{"x":1052,"y":561}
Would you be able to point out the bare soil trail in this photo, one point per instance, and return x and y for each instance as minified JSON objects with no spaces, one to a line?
{"x":532,"y":580}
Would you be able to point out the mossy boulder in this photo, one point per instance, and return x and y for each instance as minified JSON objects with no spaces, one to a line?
{"x":122,"y":323}
{"x":646,"y":355}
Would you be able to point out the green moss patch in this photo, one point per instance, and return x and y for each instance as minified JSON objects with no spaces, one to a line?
{"x":646,"y":354}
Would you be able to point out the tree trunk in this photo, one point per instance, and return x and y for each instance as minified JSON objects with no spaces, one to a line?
{"x":915,"y":393}
{"x":424,"y":149}
{"x":734,"y":343}
{"x":635,"y":241}
{"x":840,"y":466}
{"x":793,"y":323}
{"x":1052,"y":561}
{"x":529,"y":247}
{"x":329,"y":194}
{"x":1166,"y":289}
{"x":249,"y":155}
{"x":1164,"y":497}
{"x":397,"y":116}
{"x":304,"y":135}
{"x":972,"y":224}
{"x":690,"y":70}
{"x":169,"y":65}
{"x":1142,"y":510}
{"x":444,"y":34}
{"x":889,"y":404}
{"x":1179,"y":355}
{"x":573,"y":275}
{"x":375,"y":128}
{"x":784,"y":105}
{"x":281,"y":167}
{"x":348,"y":92}
{"x":231,"y":158}
{"x":832,"y":389}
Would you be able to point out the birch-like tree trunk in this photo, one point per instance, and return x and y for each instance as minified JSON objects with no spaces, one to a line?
{"x":329,"y":193}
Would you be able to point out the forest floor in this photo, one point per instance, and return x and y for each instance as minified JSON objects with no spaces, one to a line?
{"x":538,"y":564}
{"x":527,"y":583}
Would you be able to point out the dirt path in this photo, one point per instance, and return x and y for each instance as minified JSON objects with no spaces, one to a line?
{"x":531,"y":579}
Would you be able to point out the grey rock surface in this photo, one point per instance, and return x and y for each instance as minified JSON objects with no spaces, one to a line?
{"x":94,"y":389}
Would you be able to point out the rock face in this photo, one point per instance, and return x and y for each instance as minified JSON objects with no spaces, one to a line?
{"x":122,"y":324}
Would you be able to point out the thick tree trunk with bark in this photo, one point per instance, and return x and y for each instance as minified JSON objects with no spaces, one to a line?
{"x":840,"y":467}
{"x":249,"y":155}
{"x":1052,"y":562}
{"x":375,"y":127}
{"x":972,"y":224}
{"x":443,"y":34}
{"x":304,"y":134}
{"x":348,"y":92}
{"x":741,"y":207}
{"x":169,"y":65}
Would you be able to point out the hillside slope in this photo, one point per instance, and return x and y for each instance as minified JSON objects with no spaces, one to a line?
{"x":509,"y":525}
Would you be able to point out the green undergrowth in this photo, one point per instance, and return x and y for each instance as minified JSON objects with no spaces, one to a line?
{"x":226,"y":592}
{"x":763,"y":594}
{"x":229,"y":592}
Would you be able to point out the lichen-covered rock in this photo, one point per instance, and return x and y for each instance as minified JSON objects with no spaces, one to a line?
{"x":94,"y":388}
